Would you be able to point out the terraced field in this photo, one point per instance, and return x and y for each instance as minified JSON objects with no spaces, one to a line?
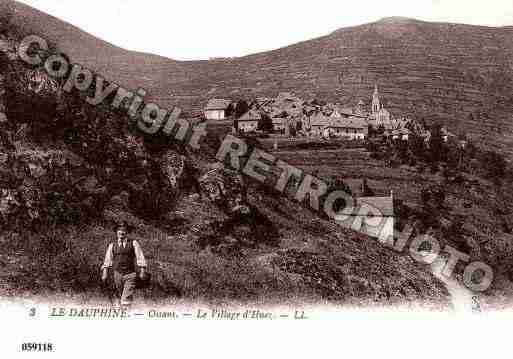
{"x":352,"y":165}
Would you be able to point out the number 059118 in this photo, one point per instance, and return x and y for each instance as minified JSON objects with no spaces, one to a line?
{"x":37,"y":347}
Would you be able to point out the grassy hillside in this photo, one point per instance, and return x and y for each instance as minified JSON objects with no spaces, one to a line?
{"x":475,"y":216}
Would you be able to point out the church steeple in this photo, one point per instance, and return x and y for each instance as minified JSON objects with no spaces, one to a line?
{"x":376,"y":104}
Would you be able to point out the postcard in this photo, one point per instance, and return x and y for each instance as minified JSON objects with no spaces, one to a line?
{"x":256,"y":178}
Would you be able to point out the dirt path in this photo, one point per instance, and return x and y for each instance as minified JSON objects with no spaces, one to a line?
{"x":461,"y":297}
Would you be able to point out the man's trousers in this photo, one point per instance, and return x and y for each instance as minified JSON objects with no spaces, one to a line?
{"x":125,"y":285}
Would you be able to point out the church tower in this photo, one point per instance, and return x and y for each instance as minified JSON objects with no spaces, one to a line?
{"x":376,"y":105}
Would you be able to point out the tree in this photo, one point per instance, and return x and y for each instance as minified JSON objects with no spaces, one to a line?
{"x":470,"y":150}
{"x":432,"y":197}
{"x":292,"y":130}
{"x":241,"y":108}
{"x":265,"y":123}
{"x":230,"y":110}
{"x":438,"y":196}
{"x":494,"y":165}
{"x":453,"y":156}
{"x":436,"y":144}
{"x":337,"y":184}
{"x":372,"y":132}
{"x":416,"y":145}
{"x":373,"y":148}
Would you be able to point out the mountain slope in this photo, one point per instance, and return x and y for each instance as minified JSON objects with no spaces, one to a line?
{"x":459,"y":74}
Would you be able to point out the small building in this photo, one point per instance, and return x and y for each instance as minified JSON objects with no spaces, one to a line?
{"x":320,"y":125}
{"x":352,"y":128}
{"x":248,"y":122}
{"x":405,"y":134}
{"x":396,"y":134}
{"x":342,"y":112}
{"x":216,"y":109}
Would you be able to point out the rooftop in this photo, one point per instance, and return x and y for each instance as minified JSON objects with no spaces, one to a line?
{"x":385,"y":205}
{"x":352,"y":122}
{"x":217,"y":104}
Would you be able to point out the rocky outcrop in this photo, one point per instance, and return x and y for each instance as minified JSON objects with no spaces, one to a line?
{"x":225,"y":188}
{"x":63,"y":161}
{"x":242,"y":225}
{"x":57,"y":185}
{"x":173,"y":167}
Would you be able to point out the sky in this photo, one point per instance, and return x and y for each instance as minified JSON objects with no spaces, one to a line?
{"x":194,"y":29}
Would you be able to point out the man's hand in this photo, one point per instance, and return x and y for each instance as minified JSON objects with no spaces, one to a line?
{"x":142,"y":273}
{"x":104,"y":275}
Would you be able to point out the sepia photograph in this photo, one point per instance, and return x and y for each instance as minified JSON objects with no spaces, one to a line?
{"x":181,"y":165}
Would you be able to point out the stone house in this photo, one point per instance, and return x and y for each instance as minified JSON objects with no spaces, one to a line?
{"x":398,"y":134}
{"x":352,"y":128}
{"x":216,"y":109}
{"x":248,"y":122}
{"x":320,"y":125}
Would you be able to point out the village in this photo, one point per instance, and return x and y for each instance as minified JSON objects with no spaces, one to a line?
{"x":287,"y":119}
{"x":288,"y":116}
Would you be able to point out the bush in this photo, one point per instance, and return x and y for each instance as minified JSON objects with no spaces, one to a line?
{"x":213,"y":278}
{"x":494,"y":165}
{"x":60,"y":260}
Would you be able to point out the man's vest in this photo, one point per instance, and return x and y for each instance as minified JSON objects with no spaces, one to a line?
{"x":123,"y":258}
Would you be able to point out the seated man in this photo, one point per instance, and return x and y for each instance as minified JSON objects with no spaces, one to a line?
{"x":122,"y":256}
